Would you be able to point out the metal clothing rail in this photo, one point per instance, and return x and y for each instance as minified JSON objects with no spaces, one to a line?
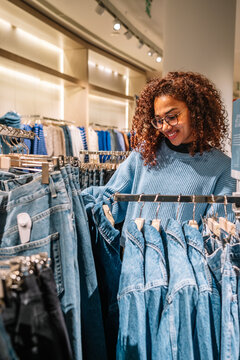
{"x":116,"y":153}
{"x":16,"y":133}
{"x":211,"y":199}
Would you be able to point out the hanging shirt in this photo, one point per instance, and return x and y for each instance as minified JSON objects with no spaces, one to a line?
{"x":92,"y":140}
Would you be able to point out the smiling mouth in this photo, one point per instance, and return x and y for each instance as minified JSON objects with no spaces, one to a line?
{"x":171,"y":135}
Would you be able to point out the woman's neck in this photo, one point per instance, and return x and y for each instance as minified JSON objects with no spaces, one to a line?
{"x":182,"y":148}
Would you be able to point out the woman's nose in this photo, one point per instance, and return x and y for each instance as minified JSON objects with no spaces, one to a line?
{"x":166,"y":126}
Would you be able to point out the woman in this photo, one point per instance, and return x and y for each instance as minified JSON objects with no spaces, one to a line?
{"x":178,"y":133}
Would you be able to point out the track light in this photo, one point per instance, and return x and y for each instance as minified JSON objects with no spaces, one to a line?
{"x":99,"y":9}
{"x":140,"y":44}
{"x":158,"y":59}
{"x":116,"y":25}
{"x":128,"y":34}
{"x":150,"y":52}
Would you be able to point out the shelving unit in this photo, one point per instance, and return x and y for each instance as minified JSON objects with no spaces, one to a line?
{"x":49,"y":70}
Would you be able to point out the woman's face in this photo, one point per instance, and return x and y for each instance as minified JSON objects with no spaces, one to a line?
{"x":181,"y":133}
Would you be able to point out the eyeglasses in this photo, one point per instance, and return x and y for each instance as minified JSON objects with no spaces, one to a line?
{"x":171,"y":120}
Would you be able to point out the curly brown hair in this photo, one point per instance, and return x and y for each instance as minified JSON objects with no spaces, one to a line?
{"x":207,"y":113}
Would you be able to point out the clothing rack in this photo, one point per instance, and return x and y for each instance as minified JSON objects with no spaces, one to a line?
{"x":46,"y":118}
{"x":115,"y":153}
{"x":16,"y":133}
{"x":103,"y":126}
{"x":211,"y":199}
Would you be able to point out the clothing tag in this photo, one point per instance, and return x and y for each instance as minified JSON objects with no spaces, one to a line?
{"x":5,"y":162}
{"x":24,"y":227}
{"x":156,"y":224}
{"x":193,"y":224}
{"x":139,"y":222}
{"x":108,"y":214}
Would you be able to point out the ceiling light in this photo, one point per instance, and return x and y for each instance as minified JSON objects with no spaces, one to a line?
{"x":101,"y":67}
{"x":128,"y":34}
{"x":115,"y":73}
{"x":116,"y":25}
{"x":140,"y":44}
{"x":150,"y":52}
{"x":99,"y":9}
{"x":158,"y":59}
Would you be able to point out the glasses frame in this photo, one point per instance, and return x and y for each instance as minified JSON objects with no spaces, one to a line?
{"x":164,"y":118}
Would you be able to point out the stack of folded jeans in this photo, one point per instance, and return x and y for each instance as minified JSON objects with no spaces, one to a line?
{"x":177,"y":298}
{"x":60,"y":228}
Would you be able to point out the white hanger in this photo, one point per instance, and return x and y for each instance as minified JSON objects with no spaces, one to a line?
{"x":193,"y":222}
{"x":157,"y":222}
{"x":140,"y":221}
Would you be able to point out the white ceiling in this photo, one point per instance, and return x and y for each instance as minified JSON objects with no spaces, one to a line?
{"x":80,"y":15}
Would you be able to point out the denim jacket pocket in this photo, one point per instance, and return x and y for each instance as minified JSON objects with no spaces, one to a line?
{"x":50,"y":245}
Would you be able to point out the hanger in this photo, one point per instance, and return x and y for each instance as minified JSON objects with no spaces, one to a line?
{"x":178,"y":208}
{"x":193,"y":222}
{"x":224,"y":224}
{"x":157,"y":222}
{"x":108,"y":213}
{"x":212,"y":224}
{"x":140,"y":221}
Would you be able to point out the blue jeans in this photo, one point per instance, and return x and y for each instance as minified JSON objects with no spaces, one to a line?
{"x":52,"y":231}
{"x":208,"y":318}
{"x":106,"y":250}
{"x":132,"y":313}
{"x":179,"y":315}
{"x":93,"y":340}
{"x":156,"y":286}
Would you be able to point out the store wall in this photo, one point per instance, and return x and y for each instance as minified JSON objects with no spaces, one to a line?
{"x":107,"y":112}
{"x":199,"y":36}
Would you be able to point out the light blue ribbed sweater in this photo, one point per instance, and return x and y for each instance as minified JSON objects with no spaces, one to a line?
{"x":176,"y":173}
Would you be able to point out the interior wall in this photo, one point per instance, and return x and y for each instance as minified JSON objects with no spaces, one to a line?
{"x":107,"y":112}
{"x":199,"y":36}
{"x":27,"y":94}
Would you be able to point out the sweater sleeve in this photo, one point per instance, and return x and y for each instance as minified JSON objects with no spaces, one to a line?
{"x":225,"y":185}
{"x":121,"y":182}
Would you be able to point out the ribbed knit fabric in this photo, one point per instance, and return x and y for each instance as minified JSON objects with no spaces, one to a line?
{"x":176,"y":173}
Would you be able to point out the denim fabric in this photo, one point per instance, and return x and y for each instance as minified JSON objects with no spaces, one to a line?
{"x":102,"y":175}
{"x":7,"y":352}
{"x":156,"y":287}
{"x":96,"y":178}
{"x":55,"y":315}
{"x":30,"y":325}
{"x":93,"y":340}
{"x":235,"y":261}
{"x":230,"y":316}
{"x":132,"y":312}
{"x":208,"y":320}
{"x":179,"y":316}
{"x":52,"y":231}
{"x":106,"y":250}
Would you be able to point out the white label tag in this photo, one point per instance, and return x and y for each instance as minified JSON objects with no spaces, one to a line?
{"x":24,"y":227}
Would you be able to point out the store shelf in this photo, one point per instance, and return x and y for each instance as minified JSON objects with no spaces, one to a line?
{"x":34,"y":65}
{"x":98,"y":89}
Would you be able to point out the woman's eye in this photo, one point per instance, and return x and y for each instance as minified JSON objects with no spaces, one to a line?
{"x":171,"y":117}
